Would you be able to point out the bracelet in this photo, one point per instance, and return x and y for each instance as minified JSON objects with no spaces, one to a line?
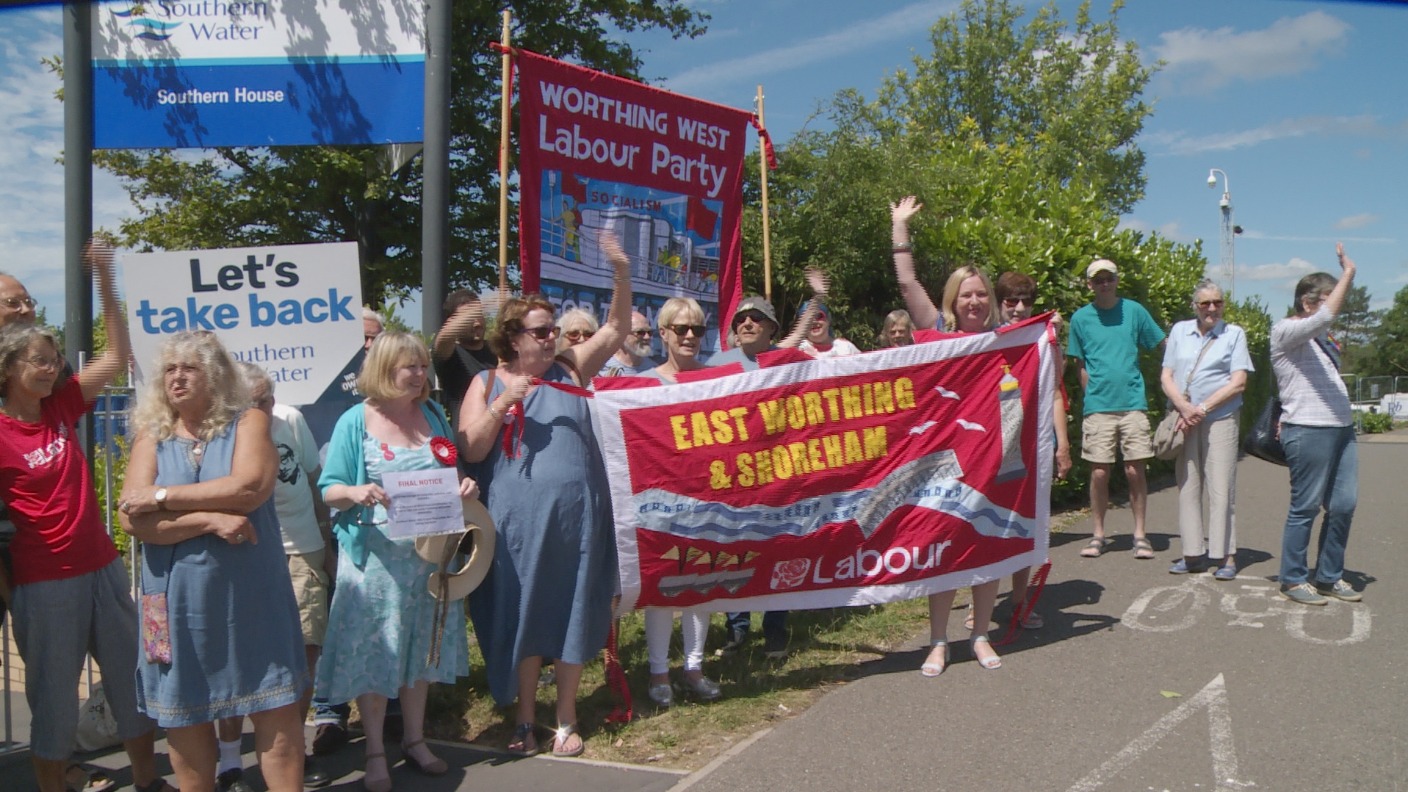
{"x":495,"y":414}
{"x":906,"y":247}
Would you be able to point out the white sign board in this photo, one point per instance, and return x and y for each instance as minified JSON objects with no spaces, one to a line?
{"x":295,"y":310}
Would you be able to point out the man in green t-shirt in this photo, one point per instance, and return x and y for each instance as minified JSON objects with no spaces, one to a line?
{"x":1106,"y":337}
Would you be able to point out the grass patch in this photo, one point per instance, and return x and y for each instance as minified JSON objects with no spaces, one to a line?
{"x":828,"y":648}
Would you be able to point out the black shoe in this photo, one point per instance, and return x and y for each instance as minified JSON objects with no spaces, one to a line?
{"x":775,"y":646}
{"x":313,"y":775}
{"x":736,"y":640}
{"x":232,"y":780}
{"x":392,"y":727}
{"x":328,"y":738}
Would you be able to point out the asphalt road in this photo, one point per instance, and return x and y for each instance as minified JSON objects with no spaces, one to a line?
{"x":1140,"y":681}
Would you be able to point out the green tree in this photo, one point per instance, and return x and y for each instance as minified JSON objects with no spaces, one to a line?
{"x":1354,"y":329}
{"x":1390,"y":338}
{"x":371,"y":194}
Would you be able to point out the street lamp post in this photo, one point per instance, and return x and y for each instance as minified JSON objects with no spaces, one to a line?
{"x":1229,"y":230}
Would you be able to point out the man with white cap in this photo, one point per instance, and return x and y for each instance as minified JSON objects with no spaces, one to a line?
{"x":1106,"y":337}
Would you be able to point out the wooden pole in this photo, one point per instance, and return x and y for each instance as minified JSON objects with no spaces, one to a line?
{"x":505,"y":124}
{"x":767,"y":240}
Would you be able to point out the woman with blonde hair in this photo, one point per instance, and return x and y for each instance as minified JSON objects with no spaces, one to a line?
{"x":220,"y":630}
{"x":381,"y":638}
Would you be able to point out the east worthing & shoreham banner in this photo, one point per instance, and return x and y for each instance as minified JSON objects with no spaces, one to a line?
{"x":664,"y":172}
{"x":844,"y":481}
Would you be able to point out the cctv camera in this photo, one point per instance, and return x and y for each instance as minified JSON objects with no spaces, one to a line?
{"x":1212,"y":180}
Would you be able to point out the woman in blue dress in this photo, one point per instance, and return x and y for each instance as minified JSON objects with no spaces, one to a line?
{"x":381,"y":626}
{"x":220,"y":629}
{"x":554,"y":574}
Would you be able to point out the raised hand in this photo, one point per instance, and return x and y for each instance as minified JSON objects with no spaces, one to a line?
{"x":906,"y":208}
{"x":611,"y":247}
{"x":819,"y":281}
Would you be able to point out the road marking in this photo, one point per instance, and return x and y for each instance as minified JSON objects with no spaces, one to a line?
{"x":1212,"y":698}
{"x":1178,"y":607}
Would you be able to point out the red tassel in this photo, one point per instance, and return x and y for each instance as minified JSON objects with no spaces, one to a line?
{"x":766,"y":141}
{"x":1020,"y":611}
{"x":616,"y":679}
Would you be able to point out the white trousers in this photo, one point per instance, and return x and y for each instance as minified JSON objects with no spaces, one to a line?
{"x":1207,"y":484}
{"x":660,"y":623}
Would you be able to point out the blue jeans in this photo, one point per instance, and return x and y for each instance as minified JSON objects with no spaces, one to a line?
{"x":1324,"y":463}
{"x":774,"y":623}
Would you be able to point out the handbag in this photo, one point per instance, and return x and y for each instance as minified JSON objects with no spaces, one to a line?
{"x":1168,"y":441}
{"x":1264,"y":439}
{"x":97,"y":728}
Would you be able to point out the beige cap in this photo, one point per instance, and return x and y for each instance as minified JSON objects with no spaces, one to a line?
{"x":1101,"y":265}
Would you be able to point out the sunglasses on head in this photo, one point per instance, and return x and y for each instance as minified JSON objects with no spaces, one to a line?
{"x":1013,"y":302}
{"x":578,"y":335}
{"x":682,"y":329}
{"x":541,"y":333}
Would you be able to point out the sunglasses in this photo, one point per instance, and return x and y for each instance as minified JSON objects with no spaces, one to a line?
{"x":756,"y":317}
{"x":1013,"y":302}
{"x":578,"y":335}
{"x":541,"y":333}
{"x":641,"y":333}
{"x":1210,"y":304}
{"x":1103,"y":279}
{"x":14,"y":303}
{"x":682,"y":329}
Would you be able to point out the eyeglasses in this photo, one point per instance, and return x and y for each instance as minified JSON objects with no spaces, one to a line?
{"x":1013,"y":302}
{"x":1101,"y":280}
{"x":51,"y":364}
{"x":541,"y":333}
{"x":641,"y":333}
{"x":15,"y":303}
{"x":682,"y":329}
{"x":579,"y":335}
{"x":756,"y":317}
{"x":1210,"y":304}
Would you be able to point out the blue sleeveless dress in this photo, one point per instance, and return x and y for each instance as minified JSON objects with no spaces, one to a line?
{"x":383,"y":615}
{"x":549,"y":591}
{"x":236,"y":645}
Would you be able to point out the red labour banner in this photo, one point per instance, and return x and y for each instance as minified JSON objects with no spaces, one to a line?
{"x":842,"y":481}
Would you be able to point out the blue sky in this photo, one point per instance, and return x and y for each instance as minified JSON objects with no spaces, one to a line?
{"x":1302,"y":104}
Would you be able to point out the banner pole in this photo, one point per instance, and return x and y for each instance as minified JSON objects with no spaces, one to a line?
{"x":763,"y":170}
{"x":505,"y":122}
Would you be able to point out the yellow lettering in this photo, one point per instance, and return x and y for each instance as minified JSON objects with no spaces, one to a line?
{"x":851,"y":440}
{"x":781,"y":463}
{"x":835,"y":409}
{"x":904,"y":393}
{"x":774,"y":416}
{"x":677,"y":428}
{"x":884,"y":397}
{"x":764,"y":462}
{"x":832,"y":445}
{"x":700,"y":426}
{"x":875,"y":445}
{"x":850,"y":401}
{"x":796,"y":412}
{"x":723,"y":432}
{"x":745,"y":470}
{"x":814,"y":415}
{"x":718,"y":475}
{"x":797,"y":453}
{"x":738,"y":414}
{"x":814,"y":455}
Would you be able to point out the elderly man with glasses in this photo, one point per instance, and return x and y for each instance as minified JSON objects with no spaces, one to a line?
{"x":634,"y":355}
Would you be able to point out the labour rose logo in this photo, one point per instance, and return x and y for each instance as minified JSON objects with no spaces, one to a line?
{"x":444,"y":450}
{"x":790,"y":574}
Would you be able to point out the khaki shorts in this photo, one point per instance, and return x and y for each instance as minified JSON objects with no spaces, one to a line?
{"x":1128,"y":431}
{"x":310,"y":588}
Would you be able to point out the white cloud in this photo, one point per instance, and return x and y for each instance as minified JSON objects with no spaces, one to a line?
{"x":1357,"y":221}
{"x":1200,"y":59}
{"x":794,"y":56}
{"x":1291,"y":270}
{"x":1308,"y":126}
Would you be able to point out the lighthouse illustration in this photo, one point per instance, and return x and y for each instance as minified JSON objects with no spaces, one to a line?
{"x":1009,"y":399}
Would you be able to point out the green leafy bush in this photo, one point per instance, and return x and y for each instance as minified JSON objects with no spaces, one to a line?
{"x":1376,"y":423}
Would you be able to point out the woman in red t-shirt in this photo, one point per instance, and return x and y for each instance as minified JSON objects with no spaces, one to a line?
{"x":71,"y":593}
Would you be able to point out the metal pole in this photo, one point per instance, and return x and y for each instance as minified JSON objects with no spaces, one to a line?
{"x":767,"y":238}
{"x":435,"y":200}
{"x":78,"y":175}
{"x":505,"y":122}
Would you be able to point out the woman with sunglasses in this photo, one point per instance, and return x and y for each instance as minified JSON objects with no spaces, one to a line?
{"x":554,"y":573}
{"x":967,"y":308}
{"x":1204,"y":373}
{"x":382,"y":623}
{"x":575,"y":326}
{"x":681,"y":326}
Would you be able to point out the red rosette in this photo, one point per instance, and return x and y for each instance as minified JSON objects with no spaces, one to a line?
{"x":444,"y":450}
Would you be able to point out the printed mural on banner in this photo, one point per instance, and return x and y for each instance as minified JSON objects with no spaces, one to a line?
{"x":295,"y":310}
{"x":845,"y":481}
{"x":204,"y":73}
{"x":601,"y":154}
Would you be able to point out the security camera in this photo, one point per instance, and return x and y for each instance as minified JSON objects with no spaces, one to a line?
{"x":1212,"y":179}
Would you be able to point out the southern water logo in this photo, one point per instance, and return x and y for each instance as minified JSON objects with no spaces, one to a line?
{"x":149,"y":29}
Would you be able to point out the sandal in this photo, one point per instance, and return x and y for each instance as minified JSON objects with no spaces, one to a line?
{"x":1095,"y":547}
{"x":158,"y":785}
{"x":381,"y":784}
{"x":524,"y":742}
{"x":1142,"y":549}
{"x":565,"y":733}
{"x":968,"y":619}
{"x":1033,"y":621}
{"x":94,"y":779}
{"x":930,"y":668}
{"x":990,"y":663}
{"x":435,"y":767}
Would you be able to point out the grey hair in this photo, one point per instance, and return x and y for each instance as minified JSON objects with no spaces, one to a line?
{"x":229,"y":397}
{"x":255,"y":376}
{"x":14,"y":341}
{"x":1206,"y":284}
{"x":368,"y":315}
{"x":1314,"y":283}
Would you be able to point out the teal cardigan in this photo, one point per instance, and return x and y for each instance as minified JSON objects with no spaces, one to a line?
{"x":346,"y":465}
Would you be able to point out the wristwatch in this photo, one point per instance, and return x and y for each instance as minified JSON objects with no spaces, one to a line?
{"x":160,"y":497}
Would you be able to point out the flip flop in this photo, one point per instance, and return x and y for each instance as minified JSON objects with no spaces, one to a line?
{"x":95,"y":779}
{"x":1143,"y":550}
{"x":565,"y":733}
{"x":1095,"y":547}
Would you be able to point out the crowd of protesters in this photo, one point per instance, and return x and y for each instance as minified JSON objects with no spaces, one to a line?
{"x":267,"y":576}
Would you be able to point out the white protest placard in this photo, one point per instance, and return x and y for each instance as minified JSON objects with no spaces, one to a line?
{"x":423,"y":502}
{"x":295,"y":310}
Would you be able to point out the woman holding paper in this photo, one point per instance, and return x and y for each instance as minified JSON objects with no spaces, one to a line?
{"x":549,"y":592}
{"x":382,"y":618}
{"x":219,"y":625}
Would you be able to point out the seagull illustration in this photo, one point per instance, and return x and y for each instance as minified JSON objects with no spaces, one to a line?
{"x":971,"y":426}
{"x":947,"y":394}
{"x":922,"y":428}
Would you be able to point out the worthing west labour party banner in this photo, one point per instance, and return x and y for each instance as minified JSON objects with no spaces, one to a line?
{"x":202,"y":73}
{"x":844,"y":481}
{"x":598,"y":154}
{"x":295,"y":310}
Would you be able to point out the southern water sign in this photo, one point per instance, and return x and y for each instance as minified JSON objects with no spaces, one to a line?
{"x":203,"y":73}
